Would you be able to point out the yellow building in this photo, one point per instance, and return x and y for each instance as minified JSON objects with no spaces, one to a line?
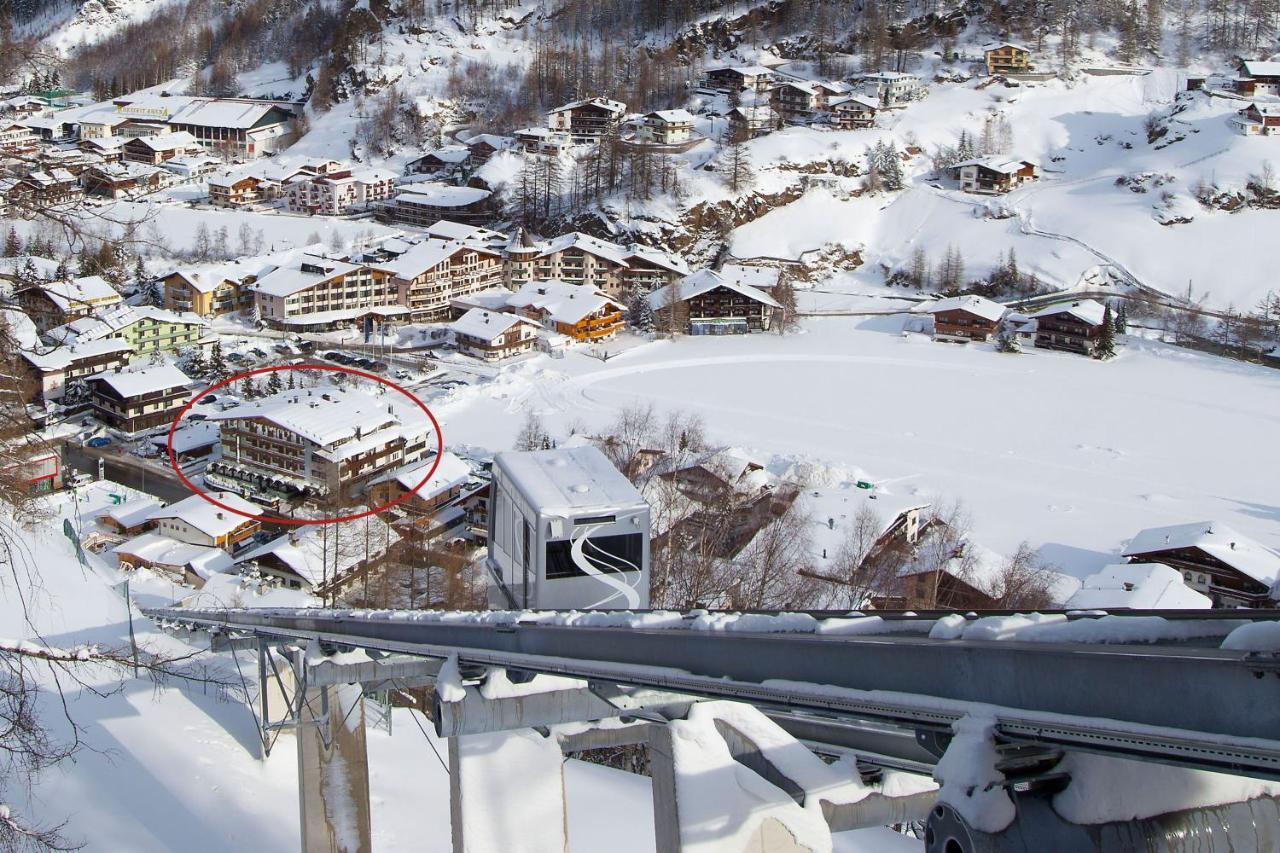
{"x":1007,"y":58}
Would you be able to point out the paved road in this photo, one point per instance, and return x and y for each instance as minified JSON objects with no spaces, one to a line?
{"x":126,"y":470}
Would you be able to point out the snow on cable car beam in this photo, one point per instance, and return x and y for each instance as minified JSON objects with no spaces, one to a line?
{"x":1192,"y":706}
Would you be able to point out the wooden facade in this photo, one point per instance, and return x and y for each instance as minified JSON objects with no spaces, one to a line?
{"x":1007,"y":58}
{"x":959,"y":324}
{"x":136,"y":413}
{"x":1225,"y":585}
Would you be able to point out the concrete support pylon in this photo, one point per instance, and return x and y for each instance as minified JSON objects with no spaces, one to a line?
{"x":333,"y":768}
{"x":662,"y":775}
{"x":487,"y":813}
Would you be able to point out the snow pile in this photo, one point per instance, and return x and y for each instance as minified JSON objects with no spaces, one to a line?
{"x":449,"y":681}
{"x":722,"y":805}
{"x":971,"y":784}
{"x":497,"y":685}
{"x":1105,"y":789}
{"x":1254,"y":637}
{"x":1058,"y":628}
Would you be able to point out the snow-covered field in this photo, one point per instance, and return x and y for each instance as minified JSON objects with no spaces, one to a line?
{"x":1070,"y":454}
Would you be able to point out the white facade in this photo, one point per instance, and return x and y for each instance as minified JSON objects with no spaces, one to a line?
{"x":566,"y":530}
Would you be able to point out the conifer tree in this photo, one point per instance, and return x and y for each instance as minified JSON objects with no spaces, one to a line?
{"x":1122,"y":320}
{"x":274,"y":384}
{"x":1106,"y":347}
{"x":217,"y":364}
{"x":12,"y":245}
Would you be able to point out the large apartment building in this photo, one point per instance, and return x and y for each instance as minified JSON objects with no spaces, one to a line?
{"x":321,"y":443}
{"x":432,"y":272}
{"x":313,"y":292}
{"x":579,"y":258}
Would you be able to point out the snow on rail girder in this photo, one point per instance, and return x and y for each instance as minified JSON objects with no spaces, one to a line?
{"x":1184,"y":704}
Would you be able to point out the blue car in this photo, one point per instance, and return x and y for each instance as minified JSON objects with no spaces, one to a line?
{"x":100,"y":441}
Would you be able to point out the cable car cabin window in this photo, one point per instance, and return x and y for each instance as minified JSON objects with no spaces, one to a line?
{"x":609,"y":554}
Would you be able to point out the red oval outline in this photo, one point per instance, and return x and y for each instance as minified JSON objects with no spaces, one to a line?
{"x":302,"y":522}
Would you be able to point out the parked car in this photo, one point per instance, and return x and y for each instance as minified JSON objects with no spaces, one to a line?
{"x":332,"y":355}
{"x":207,"y":399}
{"x":100,"y":441}
{"x":197,"y":417}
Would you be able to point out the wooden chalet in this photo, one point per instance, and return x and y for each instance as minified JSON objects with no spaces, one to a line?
{"x":587,"y":120}
{"x":1261,"y":118}
{"x":426,"y":203}
{"x":853,"y":111}
{"x":965,"y":318}
{"x":753,"y":121}
{"x":993,"y":175}
{"x":493,"y":336}
{"x":154,"y":150}
{"x":45,"y":189}
{"x":482,"y":147}
{"x":1258,"y":78}
{"x":236,"y":192}
{"x":1075,"y":327}
{"x":1215,"y":560}
{"x":140,"y":400}
{"x":578,"y":311}
{"x":755,"y":78}
{"x":122,"y":180}
{"x":708,"y":303}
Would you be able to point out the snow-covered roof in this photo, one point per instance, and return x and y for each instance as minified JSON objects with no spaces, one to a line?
{"x":291,"y":278}
{"x":670,"y":116}
{"x":134,"y":383}
{"x":491,"y":139}
{"x":314,"y":557}
{"x":859,"y":100}
{"x":1261,"y":68}
{"x":977,"y":305}
{"x":80,"y":292}
{"x":592,"y":245}
{"x":449,"y":154}
{"x":187,"y":438}
{"x":451,"y":472}
{"x":561,"y":301}
{"x":344,"y":416}
{"x":13,"y":267}
{"x":744,"y":70}
{"x":121,"y":317}
{"x":134,"y":512}
{"x":128,"y":170}
{"x":889,"y":75}
{"x":996,"y":164}
{"x":1137,"y":586}
{"x":759,"y":112}
{"x":1086,"y":311}
{"x":445,"y":229}
{"x":761,"y":278}
{"x":1215,"y":539}
{"x":168,"y":141}
{"x":162,"y":550}
{"x":211,"y":520}
{"x":62,"y":357}
{"x":21,"y":328}
{"x":658,"y":258}
{"x":486,"y":325}
{"x":706,"y":280}
{"x":616,"y":107}
{"x":241,"y":115}
{"x":442,"y":195}
{"x":312,"y":318}
{"x":568,"y":480}
{"x":1266,"y":108}
{"x":425,"y":255}
{"x":996,"y":45}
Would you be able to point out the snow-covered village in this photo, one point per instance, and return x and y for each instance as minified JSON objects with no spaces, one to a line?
{"x":625,"y":426}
